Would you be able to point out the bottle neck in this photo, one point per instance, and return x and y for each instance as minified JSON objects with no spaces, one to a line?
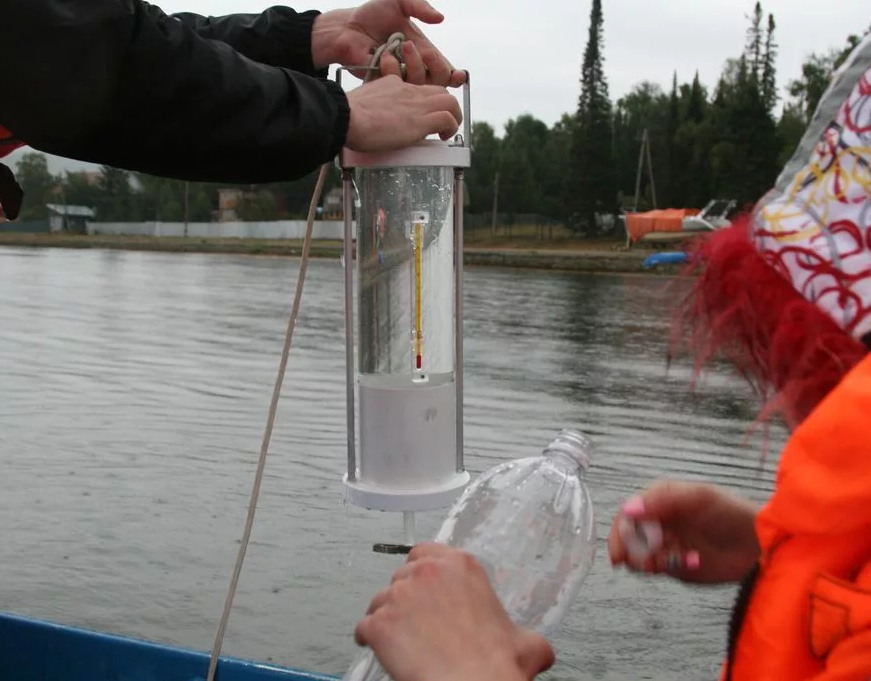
{"x":571,"y":448}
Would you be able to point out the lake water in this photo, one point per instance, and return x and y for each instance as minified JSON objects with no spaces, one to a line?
{"x":133,"y":393}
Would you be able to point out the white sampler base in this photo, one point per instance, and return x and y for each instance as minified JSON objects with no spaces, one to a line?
{"x":374,"y":498}
{"x":408,"y":445}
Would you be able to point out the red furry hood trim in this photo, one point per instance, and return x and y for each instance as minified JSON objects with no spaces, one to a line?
{"x":790,"y":351}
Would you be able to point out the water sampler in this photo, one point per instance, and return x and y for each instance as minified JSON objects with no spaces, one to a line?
{"x":405,"y":391}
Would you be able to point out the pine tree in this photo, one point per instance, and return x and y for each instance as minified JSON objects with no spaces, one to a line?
{"x":744,"y":157}
{"x":697,"y":101}
{"x":590,"y":182}
{"x":769,"y":67}
{"x":753,"y":49}
{"x":670,"y":195}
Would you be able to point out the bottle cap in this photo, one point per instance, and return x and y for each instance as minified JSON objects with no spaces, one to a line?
{"x":643,"y":538}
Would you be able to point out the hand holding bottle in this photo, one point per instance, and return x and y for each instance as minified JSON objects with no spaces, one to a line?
{"x":529,"y":524}
{"x":694,"y":532}
{"x":441,"y":619}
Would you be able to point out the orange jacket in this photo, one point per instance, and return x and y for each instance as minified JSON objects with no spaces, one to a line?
{"x":808,"y":617}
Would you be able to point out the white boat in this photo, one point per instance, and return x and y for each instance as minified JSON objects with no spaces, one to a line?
{"x":677,"y":224}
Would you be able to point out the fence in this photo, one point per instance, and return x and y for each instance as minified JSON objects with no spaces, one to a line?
{"x":478,"y":228}
{"x":25,"y":226}
{"x":279,"y":229}
{"x":533,"y":227}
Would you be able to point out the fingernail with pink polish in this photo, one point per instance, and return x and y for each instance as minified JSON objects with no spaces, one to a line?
{"x":633,"y":507}
{"x":693,"y":560}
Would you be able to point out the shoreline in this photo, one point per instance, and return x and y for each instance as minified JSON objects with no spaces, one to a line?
{"x":594,"y":258}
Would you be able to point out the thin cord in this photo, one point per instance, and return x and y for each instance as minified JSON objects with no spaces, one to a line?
{"x":393,"y":44}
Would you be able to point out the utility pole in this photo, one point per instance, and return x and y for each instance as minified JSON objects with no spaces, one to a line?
{"x":186,"y":206}
{"x":63,"y":207}
{"x":650,"y":170}
{"x":495,"y":204}
{"x":644,"y":153}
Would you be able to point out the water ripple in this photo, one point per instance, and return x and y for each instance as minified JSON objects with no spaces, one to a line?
{"x":133,"y":392}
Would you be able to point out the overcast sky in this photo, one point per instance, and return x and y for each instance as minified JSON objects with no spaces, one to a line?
{"x":524,"y":57}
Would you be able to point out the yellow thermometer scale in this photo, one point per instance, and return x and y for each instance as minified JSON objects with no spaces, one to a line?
{"x":419,"y":221}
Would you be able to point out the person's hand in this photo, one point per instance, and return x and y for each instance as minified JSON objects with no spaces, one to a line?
{"x":389,"y":114}
{"x":440,"y":619}
{"x":350,"y":36}
{"x":708,"y":530}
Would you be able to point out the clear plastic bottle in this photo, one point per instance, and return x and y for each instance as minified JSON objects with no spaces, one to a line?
{"x":530,"y":523}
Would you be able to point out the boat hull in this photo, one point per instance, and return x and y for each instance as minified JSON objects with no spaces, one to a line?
{"x":34,"y":650}
{"x":664,"y":259}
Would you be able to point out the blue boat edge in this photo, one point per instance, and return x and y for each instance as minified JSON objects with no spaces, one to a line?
{"x":666,"y":258}
{"x":39,"y":650}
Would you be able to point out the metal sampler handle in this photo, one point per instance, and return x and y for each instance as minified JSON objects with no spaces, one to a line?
{"x":467,"y":95}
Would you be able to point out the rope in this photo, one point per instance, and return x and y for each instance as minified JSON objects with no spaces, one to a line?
{"x":393,"y":45}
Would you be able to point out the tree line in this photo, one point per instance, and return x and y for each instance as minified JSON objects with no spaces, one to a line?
{"x":725,"y":142}
{"x":121,"y":196}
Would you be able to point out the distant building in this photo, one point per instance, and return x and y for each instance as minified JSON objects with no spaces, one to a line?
{"x":228,"y":202}
{"x":72,"y":219}
{"x":228,"y":199}
{"x":332,"y":208}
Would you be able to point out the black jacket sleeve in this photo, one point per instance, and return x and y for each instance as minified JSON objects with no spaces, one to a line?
{"x":116,"y":82}
{"x":279,"y":36}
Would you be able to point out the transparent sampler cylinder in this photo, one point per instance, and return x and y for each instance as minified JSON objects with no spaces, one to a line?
{"x":406,"y":361}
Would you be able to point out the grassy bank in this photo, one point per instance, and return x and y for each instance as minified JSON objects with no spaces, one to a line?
{"x":562,"y":256}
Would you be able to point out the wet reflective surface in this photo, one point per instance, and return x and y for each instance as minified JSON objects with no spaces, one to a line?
{"x":406,"y":250}
{"x":134,"y":389}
